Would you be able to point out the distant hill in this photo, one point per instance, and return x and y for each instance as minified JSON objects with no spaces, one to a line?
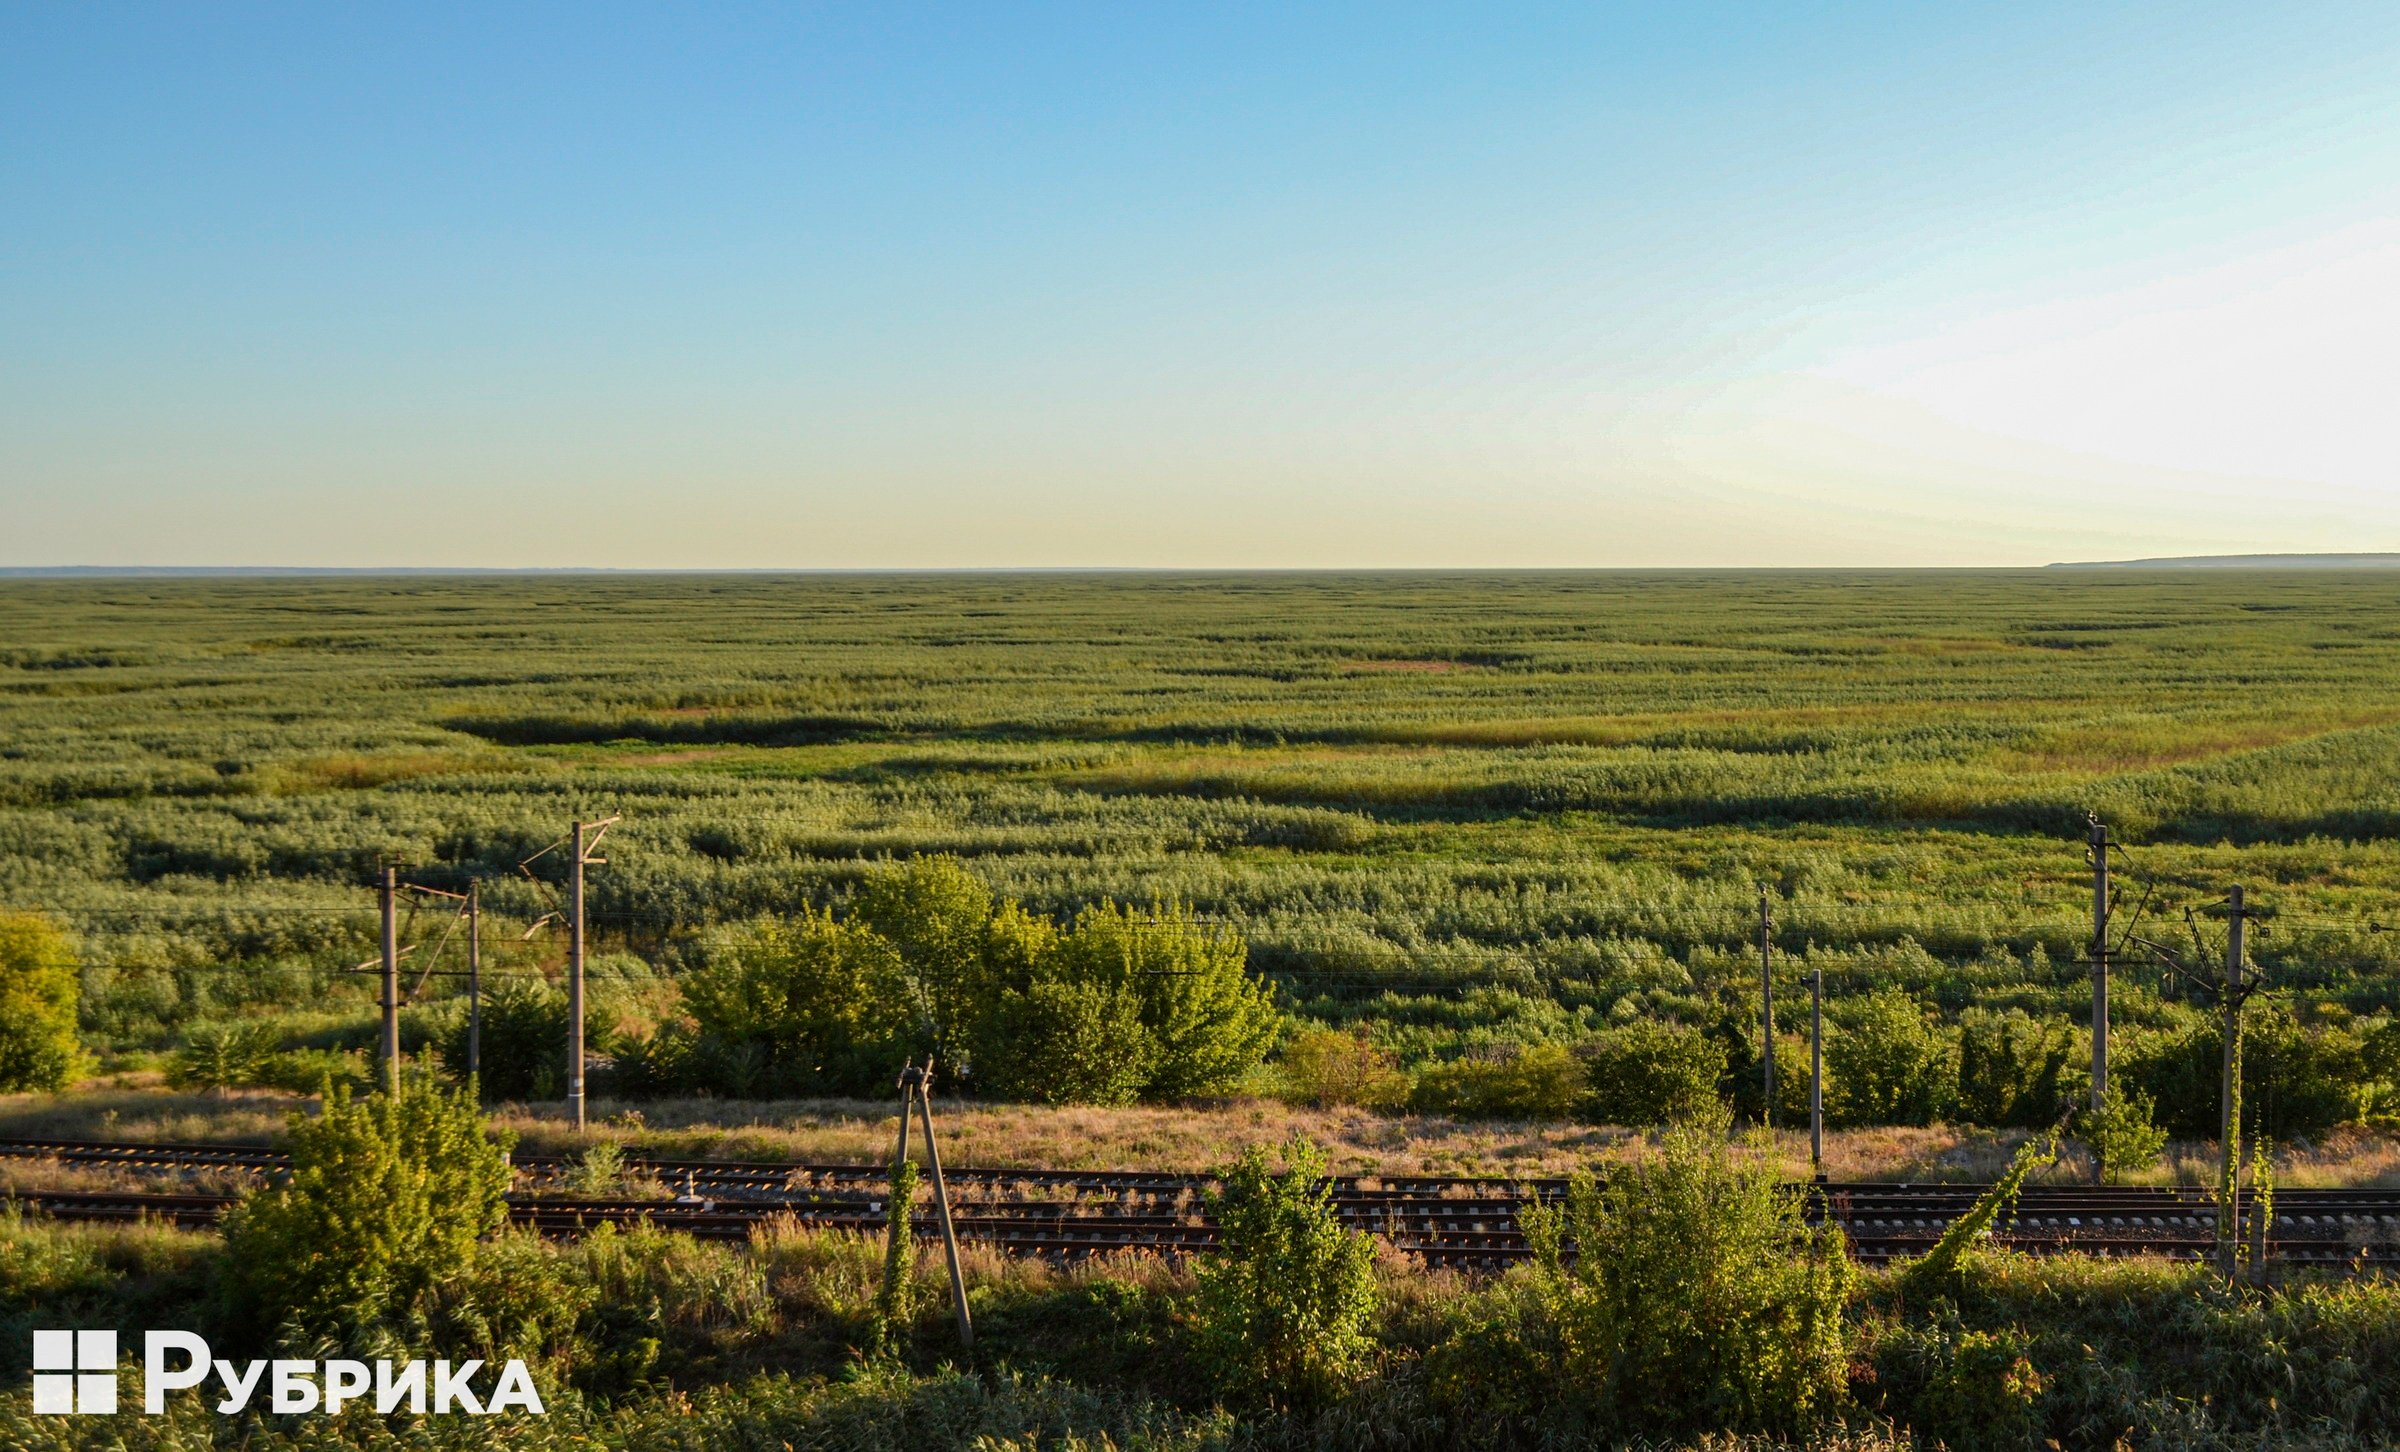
{"x":2242,"y":562}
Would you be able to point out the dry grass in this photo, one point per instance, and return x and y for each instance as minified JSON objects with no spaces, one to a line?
{"x":147,"y":1115}
{"x":1188,"y":1138}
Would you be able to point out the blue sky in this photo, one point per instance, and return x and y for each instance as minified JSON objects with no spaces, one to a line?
{"x":1049,"y":285}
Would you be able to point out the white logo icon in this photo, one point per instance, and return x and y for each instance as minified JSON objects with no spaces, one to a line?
{"x":74,"y":1371}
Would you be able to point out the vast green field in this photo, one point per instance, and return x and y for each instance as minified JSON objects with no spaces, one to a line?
{"x":1464,"y":809}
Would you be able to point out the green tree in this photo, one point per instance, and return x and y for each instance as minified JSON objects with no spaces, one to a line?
{"x":2121,"y":1132}
{"x":939,"y":918}
{"x":384,"y":1203}
{"x":1648,"y":1072}
{"x":523,"y":1045}
{"x":1284,"y":1301}
{"x":1699,"y":1298}
{"x":821,"y":1005}
{"x":2011,"y":1068}
{"x":39,"y":987}
{"x":221,"y":1056}
{"x":1068,"y":1043}
{"x":2298,"y":1081}
{"x":1888,"y":1062}
{"x":1208,"y":1020}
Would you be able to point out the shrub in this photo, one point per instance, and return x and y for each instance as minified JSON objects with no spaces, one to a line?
{"x":1542,"y":1082}
{"x":821,"y":1004}
{"x":39,"y":989}
{"x":1888,"y":1062}
{"x":1282,"y":1305}
{"x":519,"y":1296}
{"x":1327,"y":1066}
{"x":2121,"y":1132}
{"x":1699,"y":1298}
{"x":1650,"y":1073}
{"x":308,"y":1071}
{"x":524,"y":1040}
{"x":1976,"y":1391}
{"x":1208,"y":1020}
{"x":385,"y":1200}
{"x":2295,"y":1082}
{"x":2011,"y":1069}
{"x":938,"y":918}
{"x":1068,"y":1043}
{"x":221,"y":1057}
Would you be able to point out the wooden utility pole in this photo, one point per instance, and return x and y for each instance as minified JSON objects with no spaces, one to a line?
{"x":1816,"y":1073}
{"x":2100,"y":910}
{"x":1766,"y":1002}
{"x":474,"y":978}
{"x":389,"y":891}
{"x":2229,"y":1116}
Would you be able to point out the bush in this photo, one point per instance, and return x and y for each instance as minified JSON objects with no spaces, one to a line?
{"x":1122,"y":1005}
{"x":2295,"y":1083}
{"x":221,"y":1056}
{"x":524,"y":1040}
{"x":1650,"y":1073}
{"x":2011,"y":1069}
{"x":1282,"y":1305}
{"x":1068,"y":1043}
{"x":1209,"y":1022}
{"x":308,"y":1071}
{"x":2121,"y":1132}
{"x":1699,"y":1299}
{"x":1542,"y":1082}
{"x":1888,"y":1062}
{"x":384,"y":1202}
{"x":39,"y":988}
{"x":938,"y":919}
{"x":1974,"y":1391}
{"x":1327,"y":1066}
{"x":820,"y":1006}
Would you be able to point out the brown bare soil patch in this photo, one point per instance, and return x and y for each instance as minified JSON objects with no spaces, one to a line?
{"x":1421,"y":667}
{"x":670,"y":758}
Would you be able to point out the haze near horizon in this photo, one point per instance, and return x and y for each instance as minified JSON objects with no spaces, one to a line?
{"x":1065,"y":286}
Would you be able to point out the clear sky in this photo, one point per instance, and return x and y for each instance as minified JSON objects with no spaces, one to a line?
{"x":1288,"y":285}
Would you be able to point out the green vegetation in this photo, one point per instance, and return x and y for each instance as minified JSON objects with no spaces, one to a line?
{"x":1471,"y":818}
{"x":384,"y":1204}
{"x":1698,"y":1300}
{"x":1284,"y":1305}
{"x":38,"y":988}
{"x":2120,"y":1130}
{"x":1697,"y":1311}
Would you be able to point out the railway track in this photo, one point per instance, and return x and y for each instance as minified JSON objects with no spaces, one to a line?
{"x":1461,"y":1222}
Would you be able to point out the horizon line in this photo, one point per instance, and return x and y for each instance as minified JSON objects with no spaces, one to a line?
{"x":2326,"y":560}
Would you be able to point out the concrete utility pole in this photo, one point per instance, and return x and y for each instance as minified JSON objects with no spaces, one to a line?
{"x":575,"y":983}
{"x":474,"y":978}
{"x":1766,"y":1001}
{"x":389,"y":891}
{"x":1816,"y":1073}
{"x":2100,"y":906}
{"x":2229,"y":1118}
{"x":575,"y":939}
{"x":916,"y":1091}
